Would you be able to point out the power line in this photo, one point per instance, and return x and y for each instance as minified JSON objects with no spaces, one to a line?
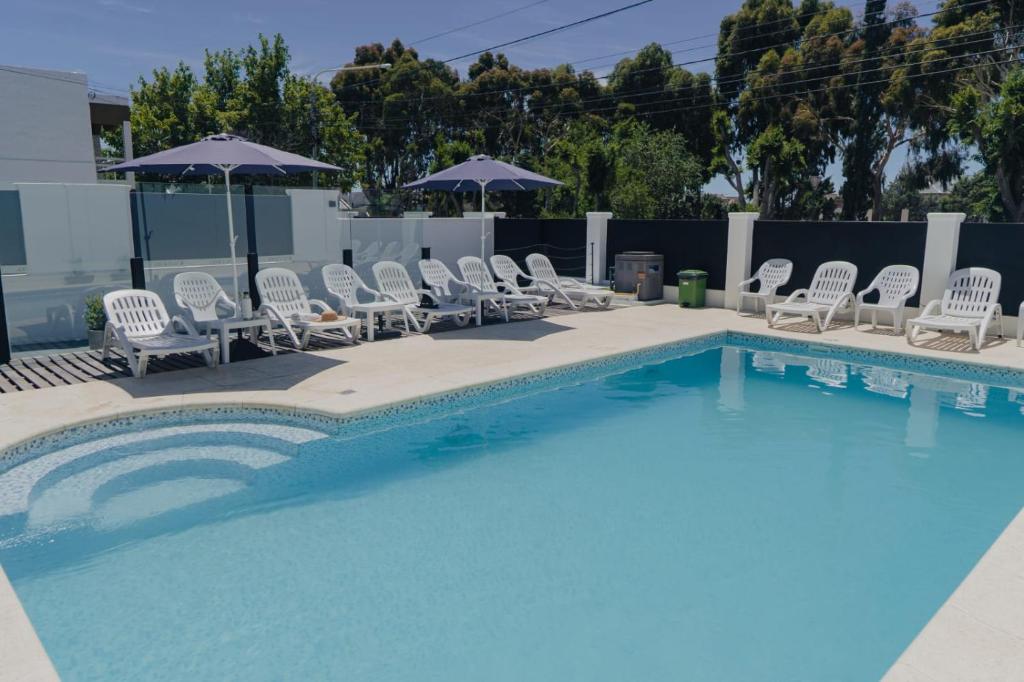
{"x":557,"y":29}
{"x":476,"y":23}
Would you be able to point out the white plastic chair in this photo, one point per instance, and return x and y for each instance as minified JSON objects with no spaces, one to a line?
{"x":772,"y":274}
{"x":510,"y":274}
{"x":450,"y":289}
{"x":394,"y":284}
{"x":1020,"y":324}
{"x":543,"y":274}
{"x":475,"y":274}
{"x":343,"y":285}
{"x":202,"y":297}
{"x":895,"y":285}
{"x":139,"y":321}
{"x":284,"y":300}
{"x":969,"y":304}
{"x":831,"y":290}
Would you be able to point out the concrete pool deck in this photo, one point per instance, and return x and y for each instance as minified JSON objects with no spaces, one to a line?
{"x":978,"y":634}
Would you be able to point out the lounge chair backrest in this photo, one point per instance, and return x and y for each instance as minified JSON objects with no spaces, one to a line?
{"x":438,"y":277}
{"x":139,"y":313}
{"x":506,"y":269}
{"x":831,"y":282}
{"x":971,"y":291}
{"x":201,"y":295}
{"x":540,"y":267}
{"x":343,"y":282}
{"x":282,"y":289}
{"x":394,"y":283}
{"x":896,"y":283}
{"x":476,"y":274}
{"x":774,"y":273}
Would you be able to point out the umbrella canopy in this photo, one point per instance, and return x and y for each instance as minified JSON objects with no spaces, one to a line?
{"x":227,"y":154}
{"x":212,"y":154}
{"x":483,"y":173}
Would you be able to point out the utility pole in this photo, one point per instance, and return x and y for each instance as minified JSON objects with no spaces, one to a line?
{"x":314,"y":122}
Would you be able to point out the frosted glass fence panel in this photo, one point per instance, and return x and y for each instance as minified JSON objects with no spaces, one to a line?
{"x":77,"y":241}
{"x":12,"y":237}
{"x":194,"y":226}
{"x":377,"y":239}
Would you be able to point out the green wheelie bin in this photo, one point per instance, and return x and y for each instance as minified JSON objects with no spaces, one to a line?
{"x":692,"y":284}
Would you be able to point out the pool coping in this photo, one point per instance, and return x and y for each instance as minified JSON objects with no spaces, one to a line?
{"x":969,"y":615}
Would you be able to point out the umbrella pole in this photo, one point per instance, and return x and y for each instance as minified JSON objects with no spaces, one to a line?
{"x":231,"y":234}
{"x":483,"y":220}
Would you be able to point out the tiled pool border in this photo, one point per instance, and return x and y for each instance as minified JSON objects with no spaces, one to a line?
{"x":389,"y":415}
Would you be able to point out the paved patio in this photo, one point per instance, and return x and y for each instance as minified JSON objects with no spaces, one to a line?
{"x":977,"y":634}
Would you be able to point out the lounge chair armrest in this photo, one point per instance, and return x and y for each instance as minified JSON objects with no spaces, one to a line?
{"x":429,"y":294}
{"x":373,"y":292}
{"x":796,"y":294}
{"x":746,"y":282}
{"x":932,"y":307}
{"x":273,"y":313}
{"x":865,"y":292}
{"x":506,"y":288}
{"x":321,"y":305}
{"x":189,"y":329}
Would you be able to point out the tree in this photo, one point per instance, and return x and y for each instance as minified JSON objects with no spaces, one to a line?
{"x":251,"y":93}
{"x":656,"y":176}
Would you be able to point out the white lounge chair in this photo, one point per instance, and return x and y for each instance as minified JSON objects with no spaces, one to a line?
{"x":772,"y":274}
{"x":543,"y":274}
{"x":475,"y":274}
{"x":202,"y":298}
{"x":450,"y":289}
{"x":283,"y":299}
{"x":343,"y":285}
{"x":970,"y":304}
{"x":510,"y":275}
{"x":895,"y":285}
{"x":1020,"y":324}
{"x":831,"y":290}
{"x":394,"y":284}
{"x":139,"y":321}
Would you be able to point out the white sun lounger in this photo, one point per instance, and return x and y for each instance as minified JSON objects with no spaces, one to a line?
{"x":394,"y":284}
{"x":448,"y":289}
{"x":284,"y":301}
{"x":831,"y":290}
{"x":139,"y":321}
{"x":510,"y":274}
{"x":475,"y":274}
{"x":772,"y":274}
{"x":895,"y":285}
{"x":343,"y":285}
{"x":970,"y":304}
{"x":543,"y":274}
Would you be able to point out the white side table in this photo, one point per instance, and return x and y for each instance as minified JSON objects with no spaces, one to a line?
{"x":226,"y":325}
{"x":371,"y":310}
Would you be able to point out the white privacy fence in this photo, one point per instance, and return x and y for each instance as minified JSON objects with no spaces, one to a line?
{"x":62,"y":243}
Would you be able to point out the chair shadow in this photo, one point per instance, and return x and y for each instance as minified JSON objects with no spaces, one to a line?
{"x":809,"y":327}
{"x":956,"y":343}
{"x":279,"y":373}
{"x":496,"y":329}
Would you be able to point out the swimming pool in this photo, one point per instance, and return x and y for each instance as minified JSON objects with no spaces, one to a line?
{"x":753,"y":510}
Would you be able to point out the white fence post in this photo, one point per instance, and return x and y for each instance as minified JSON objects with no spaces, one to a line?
{"x":940,"y":247}
{"x":737,"y":261}
{"x":597,"y":245}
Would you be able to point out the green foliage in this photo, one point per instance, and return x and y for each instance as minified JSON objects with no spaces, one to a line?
{"x":977,"y":196}
{"x":95,"y":316}
{"x":904,"y":192}
{"x":656,"y":176}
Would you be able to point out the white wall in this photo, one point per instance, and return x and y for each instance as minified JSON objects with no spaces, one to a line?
{"x":45,"y":130}
{"x":452,"y":238}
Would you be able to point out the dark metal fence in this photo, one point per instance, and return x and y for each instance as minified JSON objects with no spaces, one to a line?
{"x":999,"y":246}
{"x":868,"y":245}
{"x":564,"y":241}
{"x":686,"y":244}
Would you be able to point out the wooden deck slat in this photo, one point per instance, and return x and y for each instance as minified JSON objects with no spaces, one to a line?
{"x":70,"y":369}
{"x":30,"y":377}
{"x":51,"y":371}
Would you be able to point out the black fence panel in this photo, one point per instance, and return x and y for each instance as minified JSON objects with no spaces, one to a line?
{"x":12,"y":237}
{"x":999,"y":246}
{"x":685,"y":244}
{"x":868,"y":245}
{"x":563,"y":240}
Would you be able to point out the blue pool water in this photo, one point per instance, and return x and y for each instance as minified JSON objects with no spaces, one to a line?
{"x":730,"y":515}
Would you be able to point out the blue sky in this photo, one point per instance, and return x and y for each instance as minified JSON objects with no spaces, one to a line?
{"x":115,"y":41}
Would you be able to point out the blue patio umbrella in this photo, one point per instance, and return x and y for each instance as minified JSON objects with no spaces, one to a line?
{"x":227,"y":154}
{"x":488,"y":174}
